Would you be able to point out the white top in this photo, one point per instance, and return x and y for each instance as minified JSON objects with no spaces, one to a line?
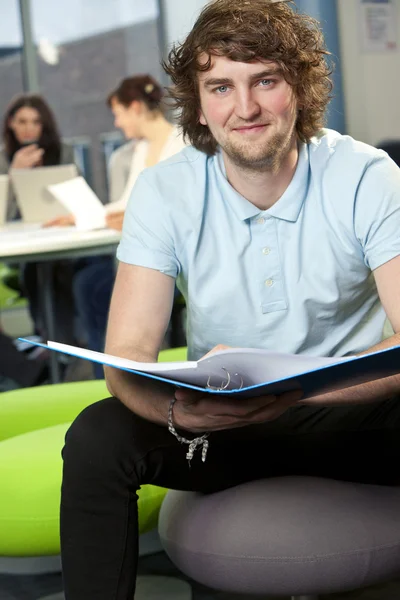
{"x":294,"y":278}
{"x":119,"y":167}
{"x":173,"y":145}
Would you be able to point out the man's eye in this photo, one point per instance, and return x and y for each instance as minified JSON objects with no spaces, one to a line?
{"x":221,"y":89}
{"x":266,"y":82}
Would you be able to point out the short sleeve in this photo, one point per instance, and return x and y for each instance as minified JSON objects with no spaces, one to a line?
{"x":377,"y":212}
{"x":147,"y":239}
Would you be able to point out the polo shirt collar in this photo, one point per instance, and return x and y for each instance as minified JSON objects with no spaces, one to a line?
{"x":288,"y":206}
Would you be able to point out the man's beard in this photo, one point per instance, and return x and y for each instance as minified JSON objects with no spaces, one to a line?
{"x":267,"y":158}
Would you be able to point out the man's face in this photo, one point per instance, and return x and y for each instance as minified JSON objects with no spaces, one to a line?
{"x":250,"y":110}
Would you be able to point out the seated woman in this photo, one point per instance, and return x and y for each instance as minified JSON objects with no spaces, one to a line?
{"x":31,"y":139}
{"x":137,"y":107}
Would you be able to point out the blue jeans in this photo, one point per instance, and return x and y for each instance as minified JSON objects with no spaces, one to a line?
{"x":92,"y":288}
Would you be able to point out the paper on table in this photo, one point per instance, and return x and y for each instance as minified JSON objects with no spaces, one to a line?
{"x":80,"y":200}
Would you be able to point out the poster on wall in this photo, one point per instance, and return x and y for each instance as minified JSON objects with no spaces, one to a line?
{"x":379,"y":31}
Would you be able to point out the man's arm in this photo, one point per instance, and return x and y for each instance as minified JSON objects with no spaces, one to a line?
{"x":387,"y":278}
{"x":140,"y":310}
{"x":139,"y":315}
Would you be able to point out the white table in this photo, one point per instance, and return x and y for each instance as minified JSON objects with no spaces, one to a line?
{"x":20,"y":242}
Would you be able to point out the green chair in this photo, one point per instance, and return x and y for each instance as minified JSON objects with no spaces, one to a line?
{"x":30,"y":472}
{"x":29,"y":409}
{"x":9,"y":296}
{"x":33,"y":423}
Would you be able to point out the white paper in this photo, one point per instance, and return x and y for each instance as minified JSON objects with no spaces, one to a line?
{"x":236,"y":367}
{"x":378,"y":25}
{"x":80,"y":200}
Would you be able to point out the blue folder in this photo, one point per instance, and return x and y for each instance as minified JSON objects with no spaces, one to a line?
{"x":336,"y":376}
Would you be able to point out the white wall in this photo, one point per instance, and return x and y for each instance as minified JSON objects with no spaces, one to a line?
{"x":371,"y":81}
{"x":178,"y":18}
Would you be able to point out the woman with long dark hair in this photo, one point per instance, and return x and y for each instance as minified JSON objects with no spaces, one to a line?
{"x":31,"y":139}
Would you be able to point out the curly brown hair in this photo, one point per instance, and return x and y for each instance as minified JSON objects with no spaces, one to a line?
{"x":246,"y":30}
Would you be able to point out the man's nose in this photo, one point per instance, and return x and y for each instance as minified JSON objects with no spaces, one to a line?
{"x":247,"y":107}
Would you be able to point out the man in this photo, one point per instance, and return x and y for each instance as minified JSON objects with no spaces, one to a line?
{"x":281,"y":235}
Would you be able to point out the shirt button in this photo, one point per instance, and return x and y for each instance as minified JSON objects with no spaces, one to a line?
{"x":261,"y":221}
{"x":269,"y":282}
{"x":266,"y":250}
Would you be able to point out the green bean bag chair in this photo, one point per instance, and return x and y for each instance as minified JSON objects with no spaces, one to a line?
{"x":30,"y":475}
{"x":28,"y":409}
{"x":9,"y":297}
{"x":33,"y":423}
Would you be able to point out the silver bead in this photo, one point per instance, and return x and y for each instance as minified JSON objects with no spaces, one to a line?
{"x":193,"y":444}
{"x":204,"y":450}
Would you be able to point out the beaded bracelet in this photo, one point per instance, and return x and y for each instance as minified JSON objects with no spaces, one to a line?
{"x":201,"y":441}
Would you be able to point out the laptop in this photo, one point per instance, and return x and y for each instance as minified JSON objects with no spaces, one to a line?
{"x":4,"y":186}
{"x":35,"y":202}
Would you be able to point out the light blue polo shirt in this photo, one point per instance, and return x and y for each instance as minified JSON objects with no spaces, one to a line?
{"x":294,"y":278}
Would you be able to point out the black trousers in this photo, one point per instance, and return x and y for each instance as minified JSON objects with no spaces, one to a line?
{"x":15,"y":365}
{"x":64,"y":309}
{"x":110,"y":453}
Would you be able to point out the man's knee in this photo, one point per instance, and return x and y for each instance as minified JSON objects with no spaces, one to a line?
{"x":107,"y":435}
{"x":97,"y":436}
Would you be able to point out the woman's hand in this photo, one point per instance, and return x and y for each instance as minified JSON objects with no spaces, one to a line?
{"x":199,"y":412}
{"x":115,"y":220}
{"x":62,"y":221}
{"x":27,"y":157}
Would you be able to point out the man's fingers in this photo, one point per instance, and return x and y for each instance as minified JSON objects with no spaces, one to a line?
{"x":188,"y":396}
{"x":280,"y":404}
{"x":218,"y":406}
{"x":242,"y":408}
{"x":293,"y":396}
{"x":216,"y":349}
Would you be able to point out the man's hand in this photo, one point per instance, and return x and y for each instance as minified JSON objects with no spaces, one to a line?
{"x":199,"y":412}
{"x":27,"y":157}
{"x":115,"y":220}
